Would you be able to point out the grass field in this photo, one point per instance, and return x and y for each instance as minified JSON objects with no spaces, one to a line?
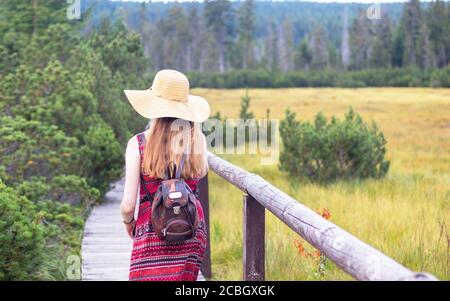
{"x":406,"y":215}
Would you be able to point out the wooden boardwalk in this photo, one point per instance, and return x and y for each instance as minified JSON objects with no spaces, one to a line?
{"x":106,"y":247}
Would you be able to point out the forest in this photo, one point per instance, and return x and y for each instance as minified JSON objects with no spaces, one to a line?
{"x":291,"y":41}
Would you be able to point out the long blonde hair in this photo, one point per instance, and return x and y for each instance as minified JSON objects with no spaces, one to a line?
{"x":169,"y":138}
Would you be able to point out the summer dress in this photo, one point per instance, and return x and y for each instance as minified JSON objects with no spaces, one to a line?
{"x":153,"y":259}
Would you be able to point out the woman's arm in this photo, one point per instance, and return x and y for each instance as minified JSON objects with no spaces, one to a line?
{"x":132,"y":172}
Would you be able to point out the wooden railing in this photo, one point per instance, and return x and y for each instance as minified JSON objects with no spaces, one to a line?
{"x":355,"y":257}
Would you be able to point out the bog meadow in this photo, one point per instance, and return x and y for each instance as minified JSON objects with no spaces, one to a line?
{"x":405,"y":214}
{"x":361,"y":97}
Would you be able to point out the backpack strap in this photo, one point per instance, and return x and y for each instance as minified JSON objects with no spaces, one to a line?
{"x":141,"y":143}
{"x":170,"y":174}
{"x":148,"y":196}
{"x":175,"y":172}
{"x":180,"y":168}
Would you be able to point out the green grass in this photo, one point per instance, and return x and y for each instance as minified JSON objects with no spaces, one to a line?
{"x":406,"y":215}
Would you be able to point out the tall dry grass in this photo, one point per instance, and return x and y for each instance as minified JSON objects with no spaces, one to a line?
{"x":406,"y":215}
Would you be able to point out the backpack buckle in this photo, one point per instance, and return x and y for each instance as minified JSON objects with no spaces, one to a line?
{"x":175,"y":195}
{"x":176,"y":210}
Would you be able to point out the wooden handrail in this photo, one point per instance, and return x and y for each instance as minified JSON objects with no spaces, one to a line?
{"x":355,"y":257}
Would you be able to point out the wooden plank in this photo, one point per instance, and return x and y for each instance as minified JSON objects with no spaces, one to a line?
{"x":354,"y":256}
{"x":100,"y":240}
{"x":112,"y":248}
{"x":253,"y":244}
{"x":97,"y":262}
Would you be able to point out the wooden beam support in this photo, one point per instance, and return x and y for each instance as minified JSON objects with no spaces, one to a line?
{"x":204,"y":199}
{"x":254,"y":240}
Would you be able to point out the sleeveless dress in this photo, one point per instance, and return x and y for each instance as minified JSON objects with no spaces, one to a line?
{"x":153,"y":259}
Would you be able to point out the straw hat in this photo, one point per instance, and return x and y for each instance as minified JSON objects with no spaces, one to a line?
{"x":169,"y":97}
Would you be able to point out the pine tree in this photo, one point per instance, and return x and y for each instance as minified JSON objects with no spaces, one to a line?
{"x":381,"y":55}
{"x":286,"y":45}
{"x":244,"y":113}
{"x":219,"y":20}
{"x":175,"y":36}
{"x":410,"y":25}
{"x":304,"y":56}
{"x":196,"y":36}
{"x":397,"y":49}
{"x":425,"y":51}
{"x":271,"y":48}
{"x":438,"y":24}
{"x":246,"y":30}
{"x":210,"y":61}
{"x":345,"y":40}
{"x":334,"y":60}
{"x":319,"y":47}
{"x":31,"y":16}
{"x":145,"y":28}
{"x":360,"y":41}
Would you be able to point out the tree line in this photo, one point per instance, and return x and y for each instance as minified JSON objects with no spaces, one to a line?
{"x":220,"y":35}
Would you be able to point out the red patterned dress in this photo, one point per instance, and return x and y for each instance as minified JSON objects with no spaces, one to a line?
{"x":153,"y":259}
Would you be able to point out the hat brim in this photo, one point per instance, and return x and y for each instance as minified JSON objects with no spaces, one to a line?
{"x":149,"y":105}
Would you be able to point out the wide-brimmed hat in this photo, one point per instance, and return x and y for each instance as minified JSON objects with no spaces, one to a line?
{"x":169,"y":97}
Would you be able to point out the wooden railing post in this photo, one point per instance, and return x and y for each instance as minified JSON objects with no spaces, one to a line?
{"x":204,"y":199}
{"x":253,"y":244}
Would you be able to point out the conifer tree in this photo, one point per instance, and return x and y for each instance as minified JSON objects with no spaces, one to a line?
{"x":246,"y":30}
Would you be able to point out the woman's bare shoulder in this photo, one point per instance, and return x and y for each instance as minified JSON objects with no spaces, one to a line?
{"x":133,"y":146}
{"x":133,"y":141}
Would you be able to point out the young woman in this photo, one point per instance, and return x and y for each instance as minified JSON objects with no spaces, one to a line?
{"x":148,"y":155}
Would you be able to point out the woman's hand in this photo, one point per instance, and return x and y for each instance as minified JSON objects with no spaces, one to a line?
{"x":130,"y":227}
